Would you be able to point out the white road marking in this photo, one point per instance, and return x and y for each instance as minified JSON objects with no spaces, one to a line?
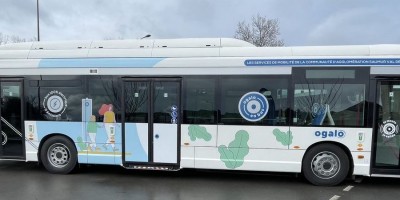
{"x":336,"y":197}
{"x":348,"y":188}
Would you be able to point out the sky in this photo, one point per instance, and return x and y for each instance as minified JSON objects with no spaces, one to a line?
{"x":302,"y":22}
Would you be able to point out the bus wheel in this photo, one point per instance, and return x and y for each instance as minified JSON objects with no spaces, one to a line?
{"x":325,"y":165}
{"x":59,"y":155}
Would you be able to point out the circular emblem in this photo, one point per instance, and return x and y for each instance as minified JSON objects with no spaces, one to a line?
{"x":389,"y":129}
{"x":315,"y":108}
{"x":253,"y":106}
{"x":174,"y":114}
{"x":54,"y":103}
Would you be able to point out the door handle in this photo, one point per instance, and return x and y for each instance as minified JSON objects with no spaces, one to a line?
{"x":156,"y":136}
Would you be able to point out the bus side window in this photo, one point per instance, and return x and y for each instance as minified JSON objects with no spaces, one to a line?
{"x":260,"y":100}
{"x":55,"y":100}
{"x":105,"y":91}
{"x":200,"y":101}
{"x":329,"y":97}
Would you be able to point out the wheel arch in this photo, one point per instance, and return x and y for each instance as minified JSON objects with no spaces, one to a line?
{"x":45,"y":138}
{"x":342,"y":146}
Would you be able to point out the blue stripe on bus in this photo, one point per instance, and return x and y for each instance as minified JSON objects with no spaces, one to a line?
{"x":99,"y":62}
{"x":322,"y":62}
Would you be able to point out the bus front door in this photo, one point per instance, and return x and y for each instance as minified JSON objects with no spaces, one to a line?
{"x":387,"y":133}
{"x":151,"y":122}
{"x":12,"y":142}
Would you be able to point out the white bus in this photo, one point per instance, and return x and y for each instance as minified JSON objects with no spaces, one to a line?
{"x":327,"y":112}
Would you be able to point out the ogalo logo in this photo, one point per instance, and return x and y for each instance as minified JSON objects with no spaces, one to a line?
{"x":253,"y":106}
{"x":331,"y":134}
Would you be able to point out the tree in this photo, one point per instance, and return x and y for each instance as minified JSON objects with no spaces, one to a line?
{"x":260,"y":32}
{"x":5,"y":39}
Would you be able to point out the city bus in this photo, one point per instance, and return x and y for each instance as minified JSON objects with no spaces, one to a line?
{"x":327,"y":112}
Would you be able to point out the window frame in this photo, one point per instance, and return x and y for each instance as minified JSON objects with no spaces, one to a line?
{"x":41,"y":83}
{"x":184,"y":97}
{"x":218,"y":95}
{"x":287,"y":110}
{"x":362,"y":76}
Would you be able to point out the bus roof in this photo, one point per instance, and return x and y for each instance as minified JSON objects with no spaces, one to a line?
{"x":176,"y":48}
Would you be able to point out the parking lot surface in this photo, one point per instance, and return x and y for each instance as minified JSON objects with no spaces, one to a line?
{"x":20,"y":180}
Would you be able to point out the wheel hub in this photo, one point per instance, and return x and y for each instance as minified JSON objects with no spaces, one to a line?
{"x":58,"y":155}
{"x":325,"y":165}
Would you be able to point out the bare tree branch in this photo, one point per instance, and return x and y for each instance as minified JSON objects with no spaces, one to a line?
{"x":6,"y":39}
{"x":260,"y":32}
{"x":244,"y":32}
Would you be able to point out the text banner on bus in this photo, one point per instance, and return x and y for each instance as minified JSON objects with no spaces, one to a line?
{"x":319,"y":62}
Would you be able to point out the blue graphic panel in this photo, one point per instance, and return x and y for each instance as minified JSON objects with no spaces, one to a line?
{"x":98,"y":62}
{"x":101,"y":159}
{"x":134,"y":149}
{"x":100,"y":147}
{"x":71,"y":129}
{"x":104,"y":145}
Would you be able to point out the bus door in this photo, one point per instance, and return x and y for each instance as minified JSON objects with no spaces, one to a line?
{"x":151,"y":122}
{"x":387,"y":122}
{"x":12,"y":137}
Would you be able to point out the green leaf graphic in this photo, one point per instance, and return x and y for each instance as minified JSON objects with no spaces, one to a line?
{"x":196,"y":131}
{"x":233,"y":156}
{"x":282,"y":137}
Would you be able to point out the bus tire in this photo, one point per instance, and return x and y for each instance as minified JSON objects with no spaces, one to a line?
{"x":58,"y":155}
{"x":325,"y":165}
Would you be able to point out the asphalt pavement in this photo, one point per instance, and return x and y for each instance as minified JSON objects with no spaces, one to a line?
{"x":20,"y":180}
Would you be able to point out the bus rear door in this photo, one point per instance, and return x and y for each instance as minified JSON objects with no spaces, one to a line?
{"x":151,"y":122}
{"x":387,"y":136}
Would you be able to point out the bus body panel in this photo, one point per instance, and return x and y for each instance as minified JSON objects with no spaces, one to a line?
{"x":266,"y":147}
{"x":355,"y":139}
{"x":274,"y":160}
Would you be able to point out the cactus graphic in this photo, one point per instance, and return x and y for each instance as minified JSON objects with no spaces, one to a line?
{"x":198,"y":132}
{"x":233,"y":155}
{"x":285,"y":138}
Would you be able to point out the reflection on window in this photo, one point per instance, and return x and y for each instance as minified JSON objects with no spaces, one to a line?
{"x":200,"y":101}
{"x":61,"y":104}
{"x":166,"y":97}
{"x":388,"y":141}
{"x":137,"y":102}
{"x":55,"y":98}
{"x":11,"y":106}
{"x":105,"y":93}
{"x":334,"y":104}
{"x":273,"y":89}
